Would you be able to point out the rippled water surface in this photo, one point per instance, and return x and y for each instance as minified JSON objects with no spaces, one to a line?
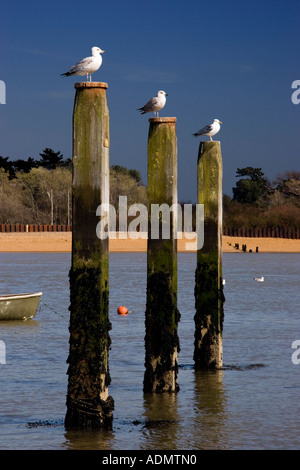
{"x":252,"y":404}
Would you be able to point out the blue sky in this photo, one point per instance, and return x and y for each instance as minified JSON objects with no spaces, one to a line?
{"x":230,"y":60}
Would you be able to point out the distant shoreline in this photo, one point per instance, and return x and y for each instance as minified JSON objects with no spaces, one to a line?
{"x":61,"y":242}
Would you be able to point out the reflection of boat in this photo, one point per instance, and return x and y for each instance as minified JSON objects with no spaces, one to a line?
{"x":19,"y":306}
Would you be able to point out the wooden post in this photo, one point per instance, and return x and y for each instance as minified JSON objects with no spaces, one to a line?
{"x":209,"y":299}
{"x":162,"y":316}
{"x":88,"y":402}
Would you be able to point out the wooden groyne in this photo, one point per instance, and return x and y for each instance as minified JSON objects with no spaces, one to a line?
{"x":292,"y":233}
{"x":30,"y":228}
{"x":88,"y":402}
{"x":162,"y":315}
{"x":208,"y":350}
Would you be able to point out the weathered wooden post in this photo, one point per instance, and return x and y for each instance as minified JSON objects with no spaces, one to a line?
{"x":162,"y":315}
{"x":209,"y":299}
{"x":88,"y":402}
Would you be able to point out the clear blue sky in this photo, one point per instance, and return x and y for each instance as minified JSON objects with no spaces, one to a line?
{"x":230,"y":60}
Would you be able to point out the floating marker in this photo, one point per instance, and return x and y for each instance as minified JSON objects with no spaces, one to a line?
{"x":122,"y":310}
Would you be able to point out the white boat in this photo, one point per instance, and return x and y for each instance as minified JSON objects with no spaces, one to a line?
{"x":19,"y":306}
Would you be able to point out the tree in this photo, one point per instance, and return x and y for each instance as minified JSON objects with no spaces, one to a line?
{"x":24,"y":165}
{"x":124,"y":183}
{"x":12,"y":209}
{"x":7,"y":167}
{"x":287,"y":187}
{"x":250,"y":190}
{"x":286,"y":176}
{"x":50,"y":159}
{"x":46,"y":194}
{"x":135,"y":174}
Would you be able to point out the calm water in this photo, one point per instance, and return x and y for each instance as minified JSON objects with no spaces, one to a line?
{"x":252,"y":404}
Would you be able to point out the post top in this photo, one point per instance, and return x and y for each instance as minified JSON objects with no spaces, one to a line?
{"x":163,"y":119}
{"x":209,"y":142}
{"x":91,"y":85}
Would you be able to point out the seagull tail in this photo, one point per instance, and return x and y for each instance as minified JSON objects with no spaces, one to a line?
{"x":66,"y":74}
{"x":141,"y":110}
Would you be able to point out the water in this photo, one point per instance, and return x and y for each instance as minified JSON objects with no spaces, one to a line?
{"x":252,"y":404}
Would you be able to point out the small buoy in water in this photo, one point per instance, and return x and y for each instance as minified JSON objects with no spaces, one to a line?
{"x":122,"y":310}
{"x":259,"y":279}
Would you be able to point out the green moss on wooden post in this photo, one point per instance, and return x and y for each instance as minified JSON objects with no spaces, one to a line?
{"x":209,"y":298}
{"x":88,"y":402}
{"x":162,"y":315}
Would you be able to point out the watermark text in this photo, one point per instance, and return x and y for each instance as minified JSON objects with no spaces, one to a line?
{"x":296,"y":354}
{"x":296,"y":94}
{"x":166,"y":222}
{"x":2,"y":92}
{"x":2,"y":352}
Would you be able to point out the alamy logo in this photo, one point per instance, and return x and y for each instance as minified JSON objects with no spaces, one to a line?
{"x":166,"y":221}
{"x":2,"y":352}
{"x":296,"y":354}
{"x":296,"y":95}
{"x":2,"y":92}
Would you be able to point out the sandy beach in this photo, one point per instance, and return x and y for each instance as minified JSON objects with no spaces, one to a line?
{"x":61,"y":242}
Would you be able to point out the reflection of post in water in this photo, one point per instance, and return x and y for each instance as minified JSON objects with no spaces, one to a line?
{"x":161,"y":412}
{"x":209,"y":403}
{"x":209,"y":297}
{"x":88,"y":402}
{"x":162,"y":316}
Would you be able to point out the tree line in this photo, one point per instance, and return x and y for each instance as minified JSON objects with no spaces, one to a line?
{"x":259,"y":202}
{"x":39,"y":192}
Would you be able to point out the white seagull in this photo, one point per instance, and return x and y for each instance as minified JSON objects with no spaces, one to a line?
{"x":88,"y":65}
{"x":210,"y":130}
{"x":155,"y":104}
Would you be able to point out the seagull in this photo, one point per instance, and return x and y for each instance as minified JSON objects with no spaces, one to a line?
{"x":210,"y":130}
{"x":259,"y":279}
{"x":155,"y":104}
{"x":88,"y":65}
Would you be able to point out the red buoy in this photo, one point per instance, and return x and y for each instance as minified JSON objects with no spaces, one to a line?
{"x":122,"y":310}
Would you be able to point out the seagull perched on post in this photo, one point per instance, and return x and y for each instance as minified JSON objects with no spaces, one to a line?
{"x":155,"y":104}
{"x":210,"y":130}
{"x":88,"y":65}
